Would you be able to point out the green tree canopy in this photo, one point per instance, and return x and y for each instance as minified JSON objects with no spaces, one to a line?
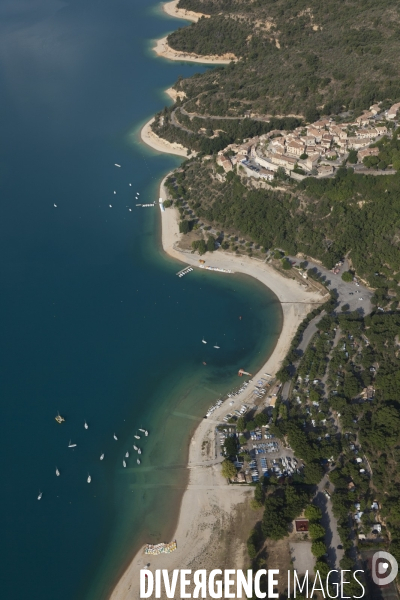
{"x":347,"y":276}
{"x":318,"y":548}
{"x":352,"y":158}
{"x":241,"y":424}
{"x":316,"y":531}
{"x":230,"y":446}
{"x":261,"y":419}
{"x":228,"y":469}
{"x":184,"y":226}
{"x":313,"y":513}
{"x":211,"y":244}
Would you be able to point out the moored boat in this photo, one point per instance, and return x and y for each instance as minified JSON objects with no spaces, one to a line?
{"x":59,"y":418}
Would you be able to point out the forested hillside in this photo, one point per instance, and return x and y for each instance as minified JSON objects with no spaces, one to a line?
{"x":197,"y":133}
{"x":297,"y":56}
{"x":325,"y":219}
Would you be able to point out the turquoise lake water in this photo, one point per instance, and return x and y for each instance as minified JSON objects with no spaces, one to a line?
{"x":94,"y":322}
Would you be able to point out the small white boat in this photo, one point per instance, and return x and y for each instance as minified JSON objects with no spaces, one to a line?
{"x":55,"y":205}
{"x":130,"y":210}
{"x":115,"y":192}
{"x":139,"y":451}
{"x":40,"y":495}
{"x":138,"y":461}
{"x":137,"y":194}
{"x":124,"y":463}
{"x":130,"y":185}
{"x":140,"y":429}
{"x":115,"y":437}
{"x":71,"y":445}
{"x":110,"y":205}
{"x":86,"y":426}
{"x":135,"y":447}
{"x":89,"y":479}
{"x":146,"y":433}
{"x":101,"y":457}
{"x":137,"y":436}
{"x":204,"y":341}
{"x":117,"y":165}
{"x":126,"y":454}
{"x":57,"y":472}
{"x":216,"y":346}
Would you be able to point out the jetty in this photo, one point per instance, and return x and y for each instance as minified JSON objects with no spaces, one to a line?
{"x":184,"y":271}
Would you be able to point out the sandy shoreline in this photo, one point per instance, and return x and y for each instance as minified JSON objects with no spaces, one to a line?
{"x":296,"y":302}
{"x":151,"y":139}
{"x":209,"y":501}
{"x":171,"y":9}
{"x":165,"y":51}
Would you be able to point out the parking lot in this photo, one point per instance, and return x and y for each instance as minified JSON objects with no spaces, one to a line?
{"x":269,"y":457}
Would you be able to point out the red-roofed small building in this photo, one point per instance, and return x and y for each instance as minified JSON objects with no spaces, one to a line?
{"x":301,"y":525}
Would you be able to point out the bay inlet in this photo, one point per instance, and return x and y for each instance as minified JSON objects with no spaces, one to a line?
{"x":95,"y":324}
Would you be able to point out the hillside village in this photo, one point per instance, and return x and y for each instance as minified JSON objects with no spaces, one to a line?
{"x":315,"y":150}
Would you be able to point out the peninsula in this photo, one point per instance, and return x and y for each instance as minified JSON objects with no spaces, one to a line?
{"x":164,"y":50}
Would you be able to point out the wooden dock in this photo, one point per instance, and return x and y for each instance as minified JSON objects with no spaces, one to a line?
{"x":185,"y":271}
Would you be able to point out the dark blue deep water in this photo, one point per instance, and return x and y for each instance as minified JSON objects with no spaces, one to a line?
{"x":94,"y":322}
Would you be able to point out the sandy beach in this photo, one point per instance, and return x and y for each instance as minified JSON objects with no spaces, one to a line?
{"x":295,"y":300}
{"x":171,"y":8}
{"x":174,"y":95}
{"x":215,"y":518}
{"x":210,"y":506}
{"x":151,"y":139}
{"x":165,"y":51}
